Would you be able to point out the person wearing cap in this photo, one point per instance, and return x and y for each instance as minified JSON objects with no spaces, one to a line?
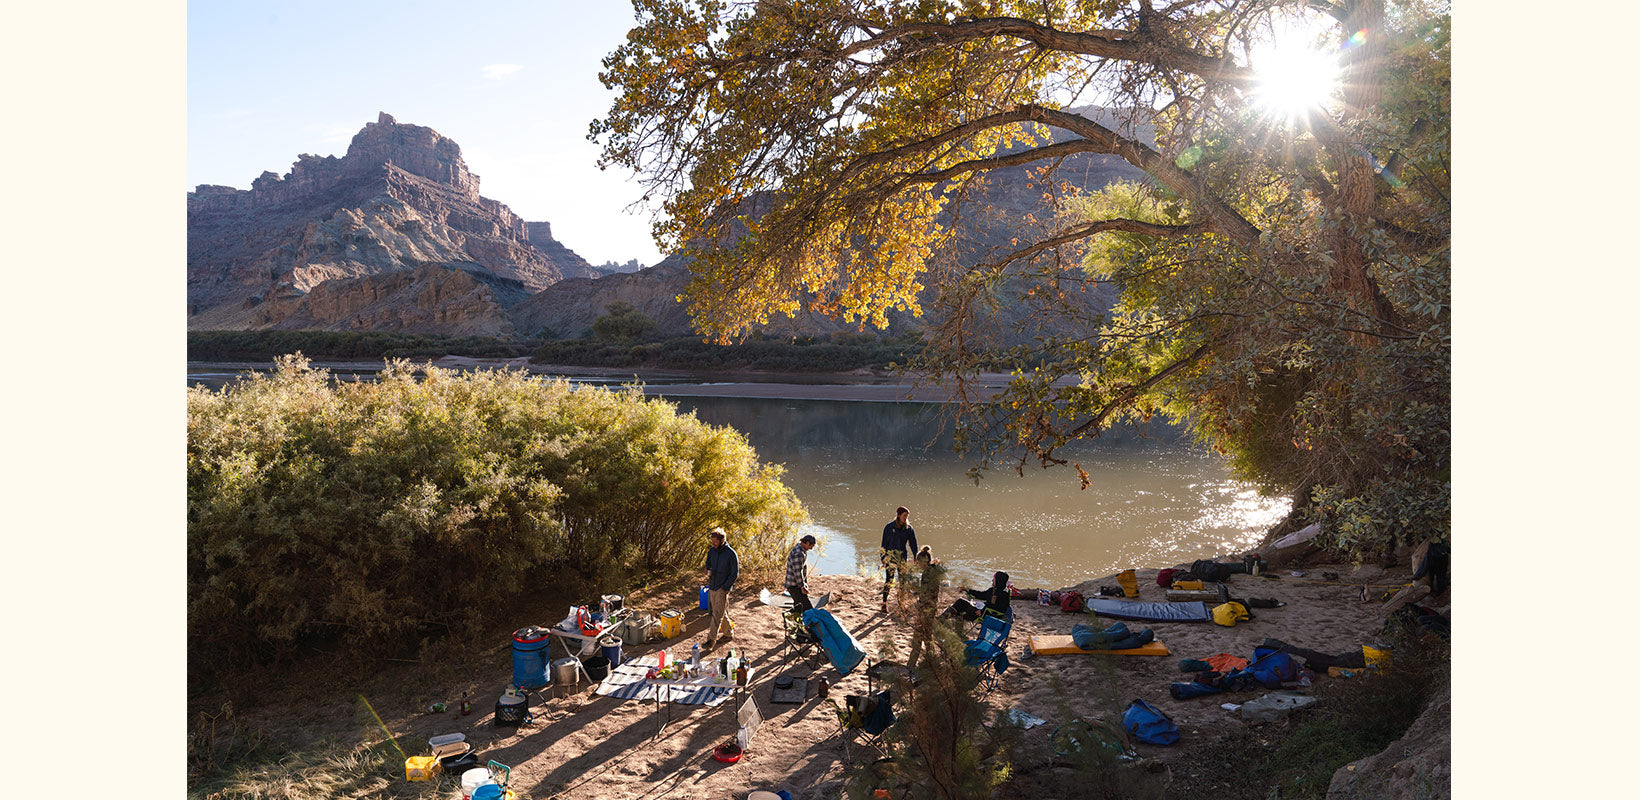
{"x":797,"y":573}
{"x":899,"y":545}
{"x":722,"y":569}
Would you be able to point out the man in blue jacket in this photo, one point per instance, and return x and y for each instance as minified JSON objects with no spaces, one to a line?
{"x":722,"y":568}
{"x":899,"y":546}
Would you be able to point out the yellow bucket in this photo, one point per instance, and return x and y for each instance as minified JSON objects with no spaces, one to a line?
{"x":671,"y":624}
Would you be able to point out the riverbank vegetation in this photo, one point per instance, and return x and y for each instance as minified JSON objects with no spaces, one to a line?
{"x":842,"y":352}
{"x":1284,"y":269}
{"x":374,"y":345}
{"x":609,"y":346}
{"x":370,"y":516}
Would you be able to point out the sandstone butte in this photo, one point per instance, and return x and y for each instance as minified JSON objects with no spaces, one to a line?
{"x":395,"y":236}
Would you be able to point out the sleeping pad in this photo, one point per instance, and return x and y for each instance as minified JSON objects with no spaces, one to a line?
{"x":1148,"y":612}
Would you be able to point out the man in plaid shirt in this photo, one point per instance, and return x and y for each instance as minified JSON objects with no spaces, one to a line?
{"x":797,"y":574}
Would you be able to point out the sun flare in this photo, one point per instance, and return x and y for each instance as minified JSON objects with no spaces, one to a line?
{"x":1292,"y":83}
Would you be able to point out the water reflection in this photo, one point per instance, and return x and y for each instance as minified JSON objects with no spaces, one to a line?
{"x":1154,"y":501}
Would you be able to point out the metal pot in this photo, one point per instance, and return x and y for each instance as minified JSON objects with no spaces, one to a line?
{"x":565,"y":672}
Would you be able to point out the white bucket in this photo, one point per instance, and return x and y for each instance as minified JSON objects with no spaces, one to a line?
{"x":474,"y":778}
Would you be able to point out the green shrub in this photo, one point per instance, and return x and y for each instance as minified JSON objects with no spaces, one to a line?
{"x":263,"y":345}
{"x":373,"y":513}
{"x":839,"y":353}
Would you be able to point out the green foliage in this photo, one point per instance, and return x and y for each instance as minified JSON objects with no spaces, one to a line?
{"x":1358,"y":717}
{"x":941,"y":751}
{"x":837,"y":353}
{"x":1285,"y":280}
{"x":264,"y":345}
{"x":371,"y":513}
{"x":622,"y":323}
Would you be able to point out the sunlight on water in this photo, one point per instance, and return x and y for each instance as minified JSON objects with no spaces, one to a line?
{"x":1154,"y":501}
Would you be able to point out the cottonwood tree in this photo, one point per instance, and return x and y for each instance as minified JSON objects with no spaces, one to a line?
{"x":1283,"y":268}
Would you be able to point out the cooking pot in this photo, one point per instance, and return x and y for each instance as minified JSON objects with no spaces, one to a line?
{"x":566,"y":672}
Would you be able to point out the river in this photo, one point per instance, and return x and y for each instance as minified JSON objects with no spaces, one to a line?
{"x":1155,"y":499}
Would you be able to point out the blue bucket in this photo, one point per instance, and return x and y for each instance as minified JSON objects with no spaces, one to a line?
{"x":705,"y":605}
{"x":612,"y":650}
{"x":530,"y":658}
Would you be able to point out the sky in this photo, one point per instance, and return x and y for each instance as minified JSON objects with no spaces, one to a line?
{"x":515,"y":84}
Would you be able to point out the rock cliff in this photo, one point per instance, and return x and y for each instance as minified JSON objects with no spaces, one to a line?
{"x":398,"y":214}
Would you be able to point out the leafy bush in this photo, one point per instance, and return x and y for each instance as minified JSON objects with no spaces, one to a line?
{"x":372,"y":513}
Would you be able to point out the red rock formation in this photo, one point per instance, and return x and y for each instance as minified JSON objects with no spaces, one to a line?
{"x":399,"y":200}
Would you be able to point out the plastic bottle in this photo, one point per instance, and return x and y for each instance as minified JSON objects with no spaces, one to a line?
{"x":466,"y":705}
{"x":694,"y":655}
{"x":731,"y":664}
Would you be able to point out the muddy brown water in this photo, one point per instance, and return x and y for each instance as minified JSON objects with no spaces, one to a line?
{"x":1155,"y":498}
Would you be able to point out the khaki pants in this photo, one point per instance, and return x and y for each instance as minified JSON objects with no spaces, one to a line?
{"x":718,"y":600}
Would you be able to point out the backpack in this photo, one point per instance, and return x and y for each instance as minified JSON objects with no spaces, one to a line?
{"x":1210,"y":571}
{"x":1148,"y":724}
{"x":1231,"y":613}
{"x":1071,"y":601}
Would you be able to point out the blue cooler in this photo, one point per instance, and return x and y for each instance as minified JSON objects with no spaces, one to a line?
{"x":705,"y":605}
{"x":530,"y":657}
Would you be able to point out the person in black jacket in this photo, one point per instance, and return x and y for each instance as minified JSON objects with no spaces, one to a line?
{"x":899,"y":546}
{"x":722,"y":570}
{"x":996,"y":598}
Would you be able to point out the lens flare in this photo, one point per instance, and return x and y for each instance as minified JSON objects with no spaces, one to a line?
{"x":1293,"y":83}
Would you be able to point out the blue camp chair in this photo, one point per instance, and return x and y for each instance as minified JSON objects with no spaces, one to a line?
{"x":867,"y":716}
{"x":990,"y":651}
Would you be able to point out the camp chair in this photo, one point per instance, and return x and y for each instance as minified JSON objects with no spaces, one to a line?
{"x":990,"y":651}
{"x":869,"y":714}
{"x":796,"y":635}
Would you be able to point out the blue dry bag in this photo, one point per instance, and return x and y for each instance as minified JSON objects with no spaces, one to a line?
{"x":1148,"y":724}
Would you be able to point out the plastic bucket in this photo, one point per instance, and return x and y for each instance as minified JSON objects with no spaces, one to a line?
{"x":597,"y":668}
{"x":472,"y":779}
{"x":530,"y":658}
{"x":612,"y":650}
{"x":705,"y":604}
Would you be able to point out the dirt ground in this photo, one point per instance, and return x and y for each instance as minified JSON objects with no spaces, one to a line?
{"x":590,"y":747}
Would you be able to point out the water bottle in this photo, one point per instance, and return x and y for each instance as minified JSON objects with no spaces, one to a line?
{"x":694,"y":655}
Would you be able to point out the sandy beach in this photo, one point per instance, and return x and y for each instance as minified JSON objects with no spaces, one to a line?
{"x":602,"y":748}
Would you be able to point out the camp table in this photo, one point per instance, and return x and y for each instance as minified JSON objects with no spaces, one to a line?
{"x":564,"y":637}
{"x":707,"y":680}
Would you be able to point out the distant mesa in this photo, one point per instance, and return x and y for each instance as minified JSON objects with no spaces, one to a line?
{"x":395,"y":236}
{"x":401,"y":202}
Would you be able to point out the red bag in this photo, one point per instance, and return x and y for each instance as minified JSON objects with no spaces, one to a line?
{"x":1164,"y":578}
{"x":1071,"y":601}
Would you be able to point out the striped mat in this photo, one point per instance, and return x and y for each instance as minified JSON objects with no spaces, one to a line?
{"x":627,"y":682}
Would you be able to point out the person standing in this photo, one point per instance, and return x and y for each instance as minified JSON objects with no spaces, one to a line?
{"x":797,"y":574}
{"x":722,"y":569}
{"x":928,"y":599}
{"x":899,"y":545}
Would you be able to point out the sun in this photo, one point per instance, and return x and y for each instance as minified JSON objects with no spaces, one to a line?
{"x":1293,"y":83}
